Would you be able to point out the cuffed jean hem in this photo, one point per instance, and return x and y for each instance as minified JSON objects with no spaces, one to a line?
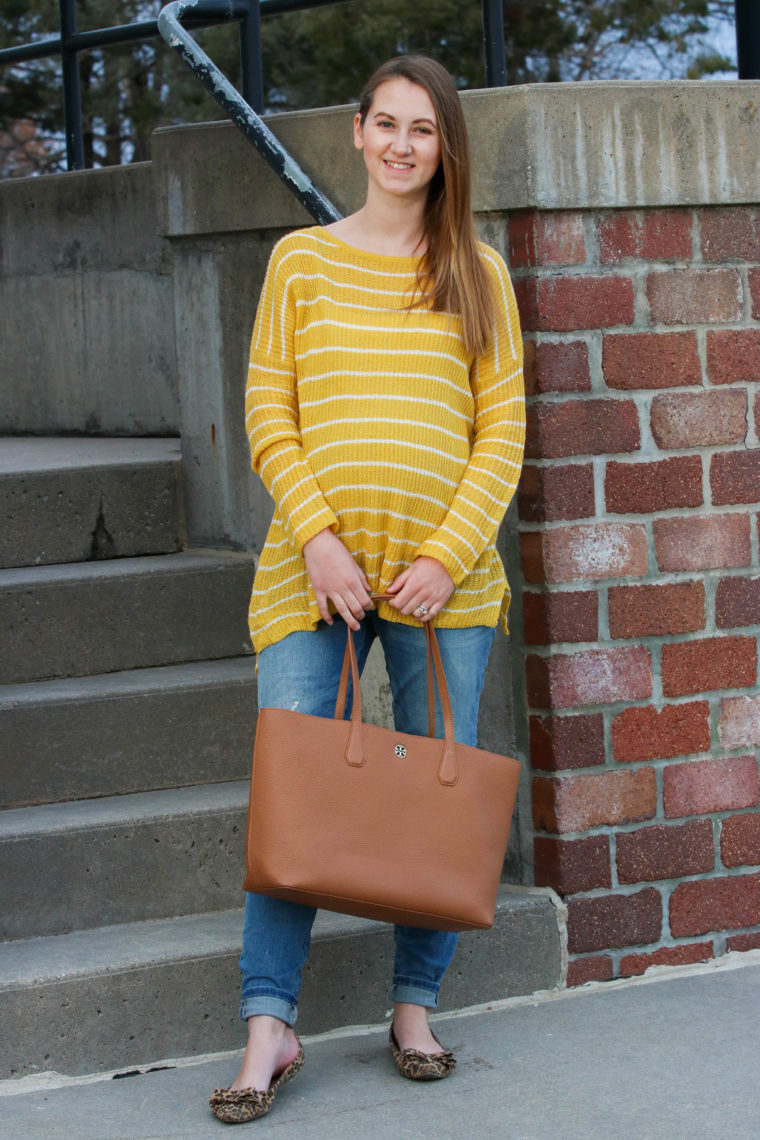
{"x":269,"y":1004}
{"x":415,"y":995}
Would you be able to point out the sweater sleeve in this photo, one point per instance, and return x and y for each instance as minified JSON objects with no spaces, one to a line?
{"x":271,"y":403}
{"x":491,"y":475}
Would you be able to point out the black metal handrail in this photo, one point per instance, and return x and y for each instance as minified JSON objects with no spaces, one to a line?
{"x":241,"y":113}
{"x":748,"y":38}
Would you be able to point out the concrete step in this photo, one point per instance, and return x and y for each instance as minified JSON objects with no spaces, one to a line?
{"x":139,"y":993}
{"x":135,"y":731}
{"x":75,"y":866}
{"x":126,"y":613}
{"x":73,"y":499}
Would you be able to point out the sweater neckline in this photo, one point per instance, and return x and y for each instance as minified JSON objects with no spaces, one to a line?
{"x":366,"y":256}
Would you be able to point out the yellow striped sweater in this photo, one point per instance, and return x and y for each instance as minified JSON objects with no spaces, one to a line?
{"x":371,"y":418}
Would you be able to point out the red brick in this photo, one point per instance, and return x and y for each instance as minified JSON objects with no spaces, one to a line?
{"x":757,"y":413}
{"x":614,"y":920}
{"x":589,"y":677}
{"x":532,"y":557}
{"x":552,"y":618}
{"x":595,"y":968}
{"x":665,"y":852}
{"x":641,"y":488}
{"x":733,"y":355}
{"x":739,"y":721}
{"x":526,"y":296}
{"x":529,"y":367}
{"x":578,"y":802}
{"x":650,"y":611}
{"x":522,"y":240}
{"x":707,"y":542}
{"x":702,"y":786}
{"x":582,"y":427}
{"x":715,"y":904}
{"x":652,"y":235}
{"x":707,"y":664}
{"x":683,"y":955}
{"x":557,"y":367}
{"x":740,"y":840}
{"x":651,"y":360}
{"x":735,"y":477}
{"x":580,"y":302}
{"x":554,"y":238}
{"x":754,"y":288}
{"x":600,"y":550}
{"x":558,"y":743}
{"x":737,"y":602}
{"x":740,"y":942}
{"x":730,"y":232}
{"x":551,"y":494}
{"x":695,"y":296}
{"x":572,"y":865}
{"x":704,"y":419}
{"x":651,"y":734}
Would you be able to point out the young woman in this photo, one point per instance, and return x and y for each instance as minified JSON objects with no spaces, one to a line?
{"x":385,"y":412}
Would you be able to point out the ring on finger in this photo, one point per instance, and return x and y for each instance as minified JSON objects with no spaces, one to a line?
{"x":424,"y":610}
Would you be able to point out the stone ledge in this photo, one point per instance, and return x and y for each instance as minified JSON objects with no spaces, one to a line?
{"x":550,"y":146}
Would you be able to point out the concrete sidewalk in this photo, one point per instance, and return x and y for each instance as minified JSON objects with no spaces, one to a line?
{"x":669,"y":1057}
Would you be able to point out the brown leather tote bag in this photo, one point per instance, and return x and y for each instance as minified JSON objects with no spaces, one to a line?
{"x":372,"y":822}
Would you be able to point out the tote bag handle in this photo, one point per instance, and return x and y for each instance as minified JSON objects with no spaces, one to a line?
{"x":356,"y":756}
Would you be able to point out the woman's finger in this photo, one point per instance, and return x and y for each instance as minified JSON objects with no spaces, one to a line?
{"x":355,"y":604}
{"x":345,"y":613}
{"x":399,"y":582}
{"x":426,"y":614}
{"x":363,"y":597}
{"x":323,"y":608}
{"x":414,"y":603}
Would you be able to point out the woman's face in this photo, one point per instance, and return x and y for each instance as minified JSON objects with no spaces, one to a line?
{"x":400,"y":139}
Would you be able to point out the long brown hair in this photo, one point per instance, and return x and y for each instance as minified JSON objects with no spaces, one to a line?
{"x":451,"y":275}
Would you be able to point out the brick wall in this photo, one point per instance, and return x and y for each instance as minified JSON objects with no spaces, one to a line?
{"x":640,"y":594}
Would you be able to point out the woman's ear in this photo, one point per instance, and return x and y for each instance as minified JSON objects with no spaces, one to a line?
{"x":358,"y":132}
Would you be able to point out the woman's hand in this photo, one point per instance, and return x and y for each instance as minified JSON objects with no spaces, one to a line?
{"x":426,"y":582}
{"x":335,"y":576}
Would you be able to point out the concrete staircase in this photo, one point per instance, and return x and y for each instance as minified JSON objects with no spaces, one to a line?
{"x":127,"y":713}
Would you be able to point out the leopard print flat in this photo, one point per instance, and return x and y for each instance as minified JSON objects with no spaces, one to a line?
{"x":238,"y":1106}
{"x":422,"y":1066}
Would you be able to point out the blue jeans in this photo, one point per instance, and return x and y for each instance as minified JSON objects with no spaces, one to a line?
{"x":301,"y":672}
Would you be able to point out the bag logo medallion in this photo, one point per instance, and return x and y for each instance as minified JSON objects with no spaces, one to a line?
{"x":400,"y":750}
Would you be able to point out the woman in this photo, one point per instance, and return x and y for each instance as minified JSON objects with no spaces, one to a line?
{"x":385,"y":412}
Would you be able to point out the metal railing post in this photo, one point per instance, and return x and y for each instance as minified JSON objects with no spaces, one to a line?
{"x":251,"y":63}
{"x":493,"y":43}
{"x":748,"y":38}
{"x":72,"y":87}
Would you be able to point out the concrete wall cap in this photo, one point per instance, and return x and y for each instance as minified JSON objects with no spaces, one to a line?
{"x":546,"y":146}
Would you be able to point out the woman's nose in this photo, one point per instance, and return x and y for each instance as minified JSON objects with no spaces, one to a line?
{"x":402,"y":142}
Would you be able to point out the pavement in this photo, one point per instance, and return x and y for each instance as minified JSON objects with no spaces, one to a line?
{"x":670,"y":1056}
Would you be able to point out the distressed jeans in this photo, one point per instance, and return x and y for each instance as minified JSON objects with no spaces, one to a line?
{"x":301,"y":672}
